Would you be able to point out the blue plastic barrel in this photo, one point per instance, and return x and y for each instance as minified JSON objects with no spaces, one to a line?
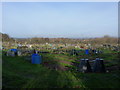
{"x":86,"y":51}
{"x":36,"y":59}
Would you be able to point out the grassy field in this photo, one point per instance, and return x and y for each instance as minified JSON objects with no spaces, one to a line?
{"x":18,"y":72}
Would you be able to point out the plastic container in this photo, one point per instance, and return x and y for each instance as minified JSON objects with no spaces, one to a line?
{"x":86,"y":51}
{"x":19,"y":53}
{"x":99,"y":66}
{"x":36,"y":59}
{"x":12,"y":53}
{"x":84,"y":66}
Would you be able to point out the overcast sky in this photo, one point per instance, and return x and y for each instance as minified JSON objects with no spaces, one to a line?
{"x":60,"y":19}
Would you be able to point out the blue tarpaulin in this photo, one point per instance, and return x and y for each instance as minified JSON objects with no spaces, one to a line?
{"x":36,"y":59}
{"x":15,"y":50}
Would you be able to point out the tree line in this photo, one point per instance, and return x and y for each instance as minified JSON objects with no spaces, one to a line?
{"x":103,"y":40}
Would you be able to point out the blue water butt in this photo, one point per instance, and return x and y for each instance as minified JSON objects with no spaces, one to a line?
{"x":36,"y":59}
{"x":86,"y":51}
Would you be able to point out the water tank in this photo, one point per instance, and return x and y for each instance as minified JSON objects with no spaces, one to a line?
{"x":84,"y":66}
{"x":12,"y":53}
{"x":19,"y":53}
{"x":86,"y":51}
{"x":99,"y":65}
{"x":36,"y":59}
